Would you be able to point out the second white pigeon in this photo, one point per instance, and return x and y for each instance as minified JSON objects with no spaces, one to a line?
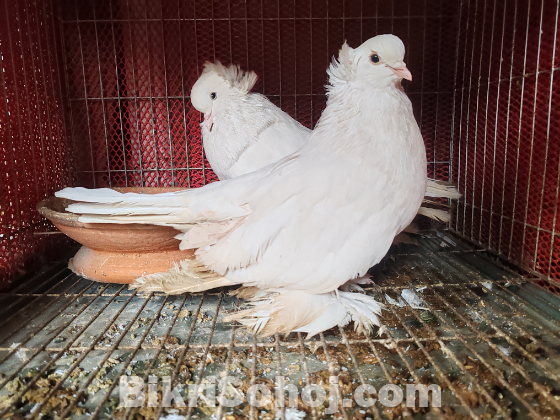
{"x":242,"y":131}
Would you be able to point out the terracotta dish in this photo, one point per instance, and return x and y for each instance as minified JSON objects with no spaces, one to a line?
{"x":114,"y":253}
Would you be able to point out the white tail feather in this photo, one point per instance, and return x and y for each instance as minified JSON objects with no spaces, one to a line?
{"x":108,"y":196}
{"x":440,"y":189}
{"x":125,"y":220}
{"x":120,"y":209}
{"x":174,"y":209}
{"x":437,"y":188}
{"x":436,"y":214}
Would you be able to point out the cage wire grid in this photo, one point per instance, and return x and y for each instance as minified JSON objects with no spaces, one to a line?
{"x":96,"y":94}
{"x":505,"y":153}
{"x":482,"y":332}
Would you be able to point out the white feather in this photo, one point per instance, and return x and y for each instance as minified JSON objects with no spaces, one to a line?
{"x":436,"y":188}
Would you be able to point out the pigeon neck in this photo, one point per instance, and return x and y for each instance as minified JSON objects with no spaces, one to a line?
{"x":358,"y":116}
{"x":372,"y":128}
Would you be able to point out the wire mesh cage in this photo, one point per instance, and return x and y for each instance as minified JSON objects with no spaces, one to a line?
{"x":505,"y":134}
{"x":96,"y":94}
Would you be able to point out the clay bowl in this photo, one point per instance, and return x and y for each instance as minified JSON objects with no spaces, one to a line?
{"x":114,"y":253}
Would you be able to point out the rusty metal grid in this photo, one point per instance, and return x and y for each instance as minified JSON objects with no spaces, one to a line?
{"x":486,"y":335}
{"x":506,"y":128}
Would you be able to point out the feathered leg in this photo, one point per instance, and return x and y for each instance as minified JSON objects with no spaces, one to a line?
{"x":279,"y":311}
{"x":187,"y":276}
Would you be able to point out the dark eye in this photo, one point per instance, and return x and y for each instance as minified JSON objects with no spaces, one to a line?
{"x":374,"y":58}
{"x":213,"y":95}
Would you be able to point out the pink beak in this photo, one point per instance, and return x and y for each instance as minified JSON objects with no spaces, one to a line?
{"x":209,"y":121}
{"x":401,"y":71}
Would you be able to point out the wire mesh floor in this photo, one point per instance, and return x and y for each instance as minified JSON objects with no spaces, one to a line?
{"x":487,"y":335}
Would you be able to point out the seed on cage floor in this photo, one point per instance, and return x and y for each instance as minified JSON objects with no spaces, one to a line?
{"x":428,"y":316}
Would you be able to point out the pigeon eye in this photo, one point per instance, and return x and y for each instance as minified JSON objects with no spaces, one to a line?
{"x":375,"y":58}
{"x":213,"y":95}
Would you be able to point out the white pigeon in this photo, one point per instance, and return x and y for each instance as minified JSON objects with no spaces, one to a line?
{"x":243,"y":132}
{"x":298,"y":229}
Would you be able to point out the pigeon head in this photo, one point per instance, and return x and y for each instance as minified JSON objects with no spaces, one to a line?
{"x":381,"y":58}
{"x":217,"y":86}
{"x":209,"y":91}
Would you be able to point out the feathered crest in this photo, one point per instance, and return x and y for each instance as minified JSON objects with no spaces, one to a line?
{"x":233,"y":75}
{"x":341,"y":70}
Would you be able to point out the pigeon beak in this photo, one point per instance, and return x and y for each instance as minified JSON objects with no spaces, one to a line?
{"x":208,"y":121}
{"x":400,"y":70}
